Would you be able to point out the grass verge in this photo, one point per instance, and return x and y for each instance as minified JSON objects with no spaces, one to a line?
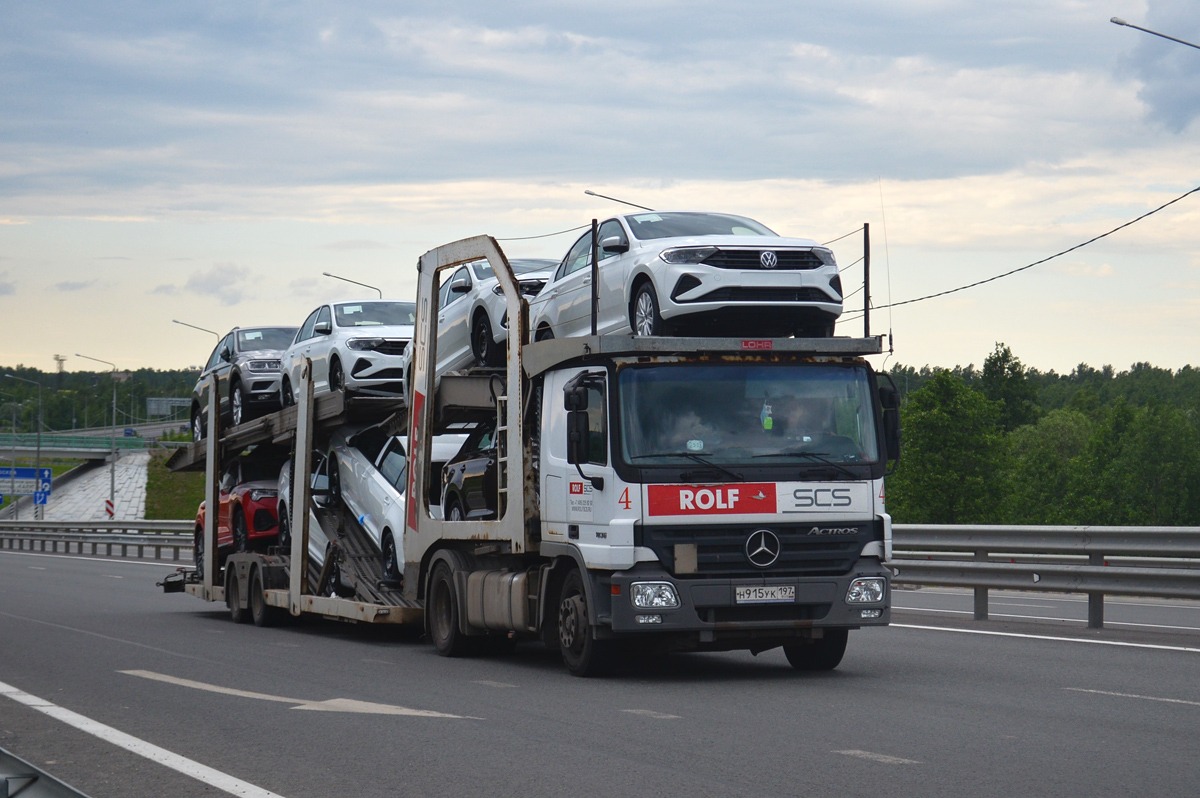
{"x":171,"y":495}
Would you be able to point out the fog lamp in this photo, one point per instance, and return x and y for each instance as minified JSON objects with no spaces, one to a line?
{"x":648,"y":618}
{"x":871,"y":613}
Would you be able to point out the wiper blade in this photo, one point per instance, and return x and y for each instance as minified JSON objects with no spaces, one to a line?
{"x":696,"y":458}
{"x":820,"y":457}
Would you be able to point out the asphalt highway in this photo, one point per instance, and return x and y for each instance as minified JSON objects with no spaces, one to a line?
{"x":936,"y":704}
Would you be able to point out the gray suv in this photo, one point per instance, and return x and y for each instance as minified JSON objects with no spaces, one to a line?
{"x":246,"y":366}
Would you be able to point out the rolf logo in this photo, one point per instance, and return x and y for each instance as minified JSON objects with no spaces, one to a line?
{"x":755,"y":498}
{"x":705,"y":499}
{"x":833,"y":530}
{"x":577,"y":488}
{"x":762,"y":548}
{"x":768,"y":259}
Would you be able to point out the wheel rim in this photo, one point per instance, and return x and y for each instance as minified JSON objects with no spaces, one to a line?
{"x":285,"y":538}
{"x":572,"y":621}
{"x":241,"y":538}
{"x":197,"y":428}
{"x":644,"y":314}
{"x":237,"y":405}
{"x":456,"y":513}
{"x":391,"y":568}
{"x":443,"y":615}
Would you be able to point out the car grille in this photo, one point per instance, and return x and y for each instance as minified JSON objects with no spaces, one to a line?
{"x":721,"y":549}
{"x":752,"y":294}
{"x":750,"y":259}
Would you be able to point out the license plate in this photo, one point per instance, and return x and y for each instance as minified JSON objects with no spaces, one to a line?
{"x":765,"y":594}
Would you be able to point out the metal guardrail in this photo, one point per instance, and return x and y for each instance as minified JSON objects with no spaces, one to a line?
{"x":108,"y":538}
{"x":52,"y":442}
{"x":1063,"y":559}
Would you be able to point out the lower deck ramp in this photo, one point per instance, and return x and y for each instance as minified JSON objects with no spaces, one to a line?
{"x":360,"y":563}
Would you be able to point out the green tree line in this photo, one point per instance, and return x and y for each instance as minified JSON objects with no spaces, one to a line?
{"x":1007,"y":444}
{"x":79,"y":399}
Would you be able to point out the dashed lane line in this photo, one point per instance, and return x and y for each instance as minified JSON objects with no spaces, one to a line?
{"x":486,"y":683}
{"x":650,"y":713}
{"x":881,"y":758}
{"x":1119,"y":643}
{"x":188,"y":767}
{"x":1131,"y":695}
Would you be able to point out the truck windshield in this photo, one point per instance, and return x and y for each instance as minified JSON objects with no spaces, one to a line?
{"x":743,"y":414}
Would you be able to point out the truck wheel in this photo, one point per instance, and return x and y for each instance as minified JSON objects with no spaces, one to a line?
{"x":241,"y":535}
{"x":198,"y":552}
{"x":822,"y":654}
{"x":262,"y":612}
{"x":581,"y":652}
{"x":443,"y":609}
{"x":233,"y":599}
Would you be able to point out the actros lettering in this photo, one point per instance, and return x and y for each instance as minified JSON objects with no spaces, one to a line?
{"x":822,"y":497}
{"x":705,"y":499}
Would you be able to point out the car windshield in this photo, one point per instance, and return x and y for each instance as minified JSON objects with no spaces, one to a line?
{"x":742,"y":414}
{"x":483,"y":269}
{"x":374,"y":314}
{"x":646,"y":226}
{"x":265,"y":338}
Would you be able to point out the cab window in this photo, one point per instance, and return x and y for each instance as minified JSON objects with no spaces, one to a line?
{"x":597,"y":426}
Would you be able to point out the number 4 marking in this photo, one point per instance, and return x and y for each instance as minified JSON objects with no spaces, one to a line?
{"x":624,"y":500}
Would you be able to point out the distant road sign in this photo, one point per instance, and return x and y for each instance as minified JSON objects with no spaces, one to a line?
{"x":25,"y":481}
{"x":41,"y":497}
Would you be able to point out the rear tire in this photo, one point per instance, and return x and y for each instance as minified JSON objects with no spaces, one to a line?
{"x":335,"y":479}
{"x":391,"y":562}
{"x":284,"y":541}
{"x":197,"y":426}
{"x":823,"y":654}
{"x":233,"y":600}
{"x":262,"y":612}
{"x":582,"y":653}
{"x":544,"y":334}
{"x":442,"y":604}
{"x":198,"y":555}
{"x":454,"y":511}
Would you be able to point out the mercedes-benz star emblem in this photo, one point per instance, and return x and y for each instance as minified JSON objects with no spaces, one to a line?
{"x":768,"y":259}
{"x":762,"y":548}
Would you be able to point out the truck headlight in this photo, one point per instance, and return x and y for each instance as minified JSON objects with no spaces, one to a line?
{"x":653,"y":595}
{"x":866,"y":591}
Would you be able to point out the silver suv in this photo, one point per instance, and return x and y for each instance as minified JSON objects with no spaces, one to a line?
{"x":246,"y":366}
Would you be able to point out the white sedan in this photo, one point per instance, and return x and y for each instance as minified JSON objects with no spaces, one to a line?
{"x":356,"y":346}
{"x":687,"y":273}
{"x":367,"y":472}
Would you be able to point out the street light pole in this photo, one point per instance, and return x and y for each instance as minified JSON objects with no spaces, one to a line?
{"x":356,"y":282}
{"x":1124,"y":24}
{"x":12,"y":487}
{"x":112,"y":468}
{"x":37,"y":464}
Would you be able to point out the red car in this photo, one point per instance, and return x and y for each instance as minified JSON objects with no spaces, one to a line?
{"x":249,"y":492}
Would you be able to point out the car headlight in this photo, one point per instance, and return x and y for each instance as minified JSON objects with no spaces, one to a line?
{"x":653,"y":595}
{"x":263,"y":365}
{"x":687,"y":254}
{"x":866,"y":591}
{"x":364,"y":344}
{"x":826,"y":256}
{"x":258,"y":494}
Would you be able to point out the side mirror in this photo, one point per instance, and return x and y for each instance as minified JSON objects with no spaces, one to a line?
{"x":226,"y":355}
{"x":889,"y":399}
{"x":322,"y":328}
{"x":577,"y":436}
{"x":460,"y":285}
{"x":575,"y":396}
{"x":614,"y":245}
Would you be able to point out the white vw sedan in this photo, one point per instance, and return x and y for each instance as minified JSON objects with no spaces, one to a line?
{"x":356,"y":346}
{"x":687,"y":273}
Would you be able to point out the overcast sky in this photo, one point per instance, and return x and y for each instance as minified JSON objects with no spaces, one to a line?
{"x":207,"y":161}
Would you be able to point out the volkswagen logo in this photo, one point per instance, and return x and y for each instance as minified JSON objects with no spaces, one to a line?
{"x":768,"y":259}
{"x":762,"y":548}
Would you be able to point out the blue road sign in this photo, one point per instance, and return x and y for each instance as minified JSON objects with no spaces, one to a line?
{"x":41,"y":497}
{"x":25,"y":480}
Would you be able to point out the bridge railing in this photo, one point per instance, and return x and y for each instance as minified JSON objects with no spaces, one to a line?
{"x":1159,"y":562}
{"x":30,"y":441}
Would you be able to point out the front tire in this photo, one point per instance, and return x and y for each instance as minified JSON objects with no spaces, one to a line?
{"x":646,"y":318}
{"x":241,"y":533}
{"x":233,"y":600}
{"x":197,"y":426}
{"x":454,"y":511}
{"x":335,"y":479}
{"x":582,"y":653}
{"x":822,"y":654}
{"x":284,"y":541}
{"x":482,"y":342}
{"x":391,"y":562}
{"x":337,"y":377}
{"x":444,"y":611}
{"x":286,"y":399}
{"x":237,"y":404}
{"x":198,"y":549}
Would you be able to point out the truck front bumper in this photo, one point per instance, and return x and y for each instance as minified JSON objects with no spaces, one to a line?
{"x":709,"y":606}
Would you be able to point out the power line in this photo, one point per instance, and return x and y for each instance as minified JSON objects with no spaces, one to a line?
{"x":1043,"y":260}
{"x":547,"y":235}
{"x":839,"y":238}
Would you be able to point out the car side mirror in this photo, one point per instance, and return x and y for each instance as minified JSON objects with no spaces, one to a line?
{"x":460,"y":285}
{"x":614,"y":245}
{"x":226,"y":355}
{"x":323,"y":328}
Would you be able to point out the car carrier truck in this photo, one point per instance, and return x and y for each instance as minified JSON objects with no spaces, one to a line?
{"x":653,"y":494}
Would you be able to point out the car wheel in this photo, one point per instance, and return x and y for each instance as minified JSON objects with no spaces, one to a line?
{"x":284,"y":541}
{"x":482,"y":342}
{"x":337,"y":378}
{"x":454,"y":511}
{"x":391,"y":562}
{"x":241,"y":533}
{"x":821,"y":654}
{"x":544,"y":334}
{"x":237,"y":403}
{"x":646,"y":319}
{"x":581,"y":652}
{"x":335,"y":479}
{"x":286,"y":399}
{"x":444,"y":611}
{"x":198,"y":549}
{"x":197,"y":426}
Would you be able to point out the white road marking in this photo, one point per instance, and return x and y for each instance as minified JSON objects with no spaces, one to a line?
{"x":493,"y":684}
{"x":36,"y":568}
{"x":188,"y":767}
{"x":1131,"y":695}
{"x":650,"y":713}
{"x":111,"y":576}
{"x":332,"y":705}
{"x":85,"y":558}
{"x":1051,"y":618}
{"x":884,"y":758}
{"x":1014,"y":604}
{"x":1047,"y":637}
